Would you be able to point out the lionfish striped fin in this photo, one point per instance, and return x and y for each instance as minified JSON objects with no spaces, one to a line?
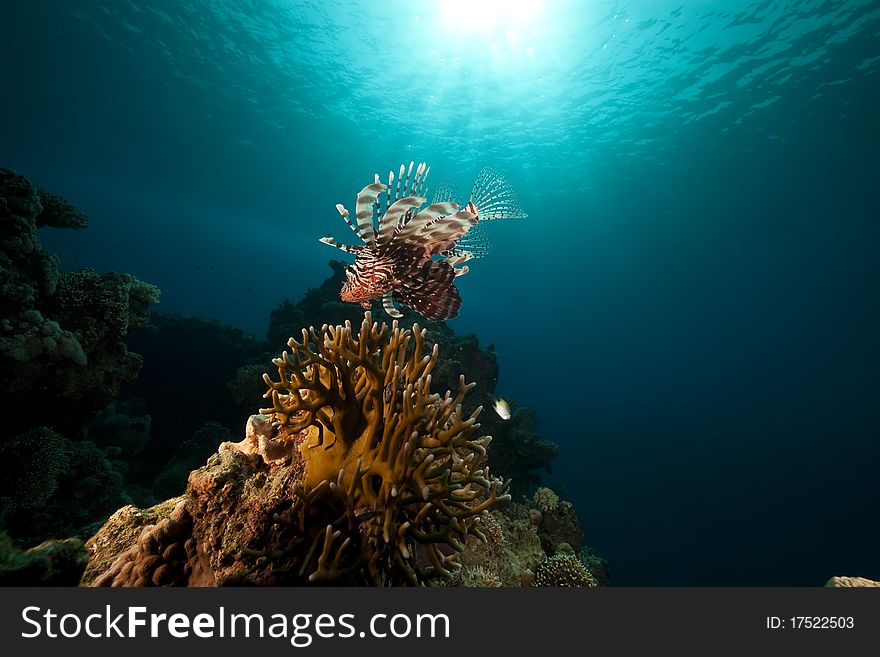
{"x":399,"y":180}
{"x":344,"y":212}
{"x":457,"y":257}
{"x":420,"y":188}
{"x":385,"y":199}
{"x":366,"y":202}
{"x":446,"y":192}
{"x":395,"y":215}
{"x":410,"y":229}
{"x":342,"y":247}
{"x":441,"y":234}
{"x":406,"y":185}
{"x":388,"y":305}
{"x":409,"y":183}
{"x":428,"y":289}
{"x":493,"y":197}
{"x":474,"y":243}
{"x":461,"y":271}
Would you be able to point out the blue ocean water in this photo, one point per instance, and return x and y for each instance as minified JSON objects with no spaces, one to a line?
{"x":691,"y":305}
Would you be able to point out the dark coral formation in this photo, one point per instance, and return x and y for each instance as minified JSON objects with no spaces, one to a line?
{"x":58,"y":212}
{"x":52,"y":563}
{"x":518,"y":449}
{"x":51,"y":486}
{"x":180,"y":354}
{"x":61,"y":349}
{"x":60,"y":328}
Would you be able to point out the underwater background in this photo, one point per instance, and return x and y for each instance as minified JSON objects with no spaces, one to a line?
{"x":691,"y":306}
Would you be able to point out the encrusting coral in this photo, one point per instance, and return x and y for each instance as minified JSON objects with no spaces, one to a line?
{"x":413,"y":473}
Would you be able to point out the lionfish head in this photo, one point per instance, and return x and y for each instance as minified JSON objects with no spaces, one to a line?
{"x":367,"y":278}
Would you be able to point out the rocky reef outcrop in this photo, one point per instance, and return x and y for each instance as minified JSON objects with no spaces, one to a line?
{"x":62,"y":360}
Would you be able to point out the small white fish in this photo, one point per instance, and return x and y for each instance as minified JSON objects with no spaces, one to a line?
{"x":502,"y":408}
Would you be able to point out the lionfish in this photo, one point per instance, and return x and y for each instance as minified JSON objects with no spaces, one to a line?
{"x":412,"y":254}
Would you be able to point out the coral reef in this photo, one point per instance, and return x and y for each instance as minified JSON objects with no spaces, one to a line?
{"x":59,"y":329}
{"x":509,"y":553}
{"x":163,"y":555}
{"x":357,"y":474}
{"x":245,"y":519}
{"x":518,"y":450}
{"x":407,"y":459}
{"x":58,"y":212}
{"x":119,"y":533}
{"x":564,"y":569}
{"x":849,"y":582}
{"x":52,"y":486}
{"x":53,"y":563}
{"x":187,"y":457}
{"x":180,"y":354}
{"x":60,"y":349}
{"x":545,"y":499}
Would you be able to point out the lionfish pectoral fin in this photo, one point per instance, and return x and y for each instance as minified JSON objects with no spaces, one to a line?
{"x":342,"y":247}
{"x":395,"y":215}
{"x":442,"y":234}
{"x":458,"y":257}
{"x":390,"y":308}
{"x":366,"y":204}
{"x":430,"y":291}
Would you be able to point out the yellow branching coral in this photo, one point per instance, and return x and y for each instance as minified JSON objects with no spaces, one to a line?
{"x":403,"y":460}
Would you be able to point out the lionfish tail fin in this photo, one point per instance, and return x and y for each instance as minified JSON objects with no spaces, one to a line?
{"x":492,"y":197}
{"x":430,"y":291}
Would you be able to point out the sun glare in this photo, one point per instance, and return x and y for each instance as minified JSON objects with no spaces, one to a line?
{"x":487,"y":16}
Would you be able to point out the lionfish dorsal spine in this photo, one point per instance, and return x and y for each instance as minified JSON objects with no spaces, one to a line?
{"x":399,"y":181}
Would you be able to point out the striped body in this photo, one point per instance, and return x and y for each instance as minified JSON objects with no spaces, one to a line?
{"x":411,"y":254}
{"x":369,"y":277}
